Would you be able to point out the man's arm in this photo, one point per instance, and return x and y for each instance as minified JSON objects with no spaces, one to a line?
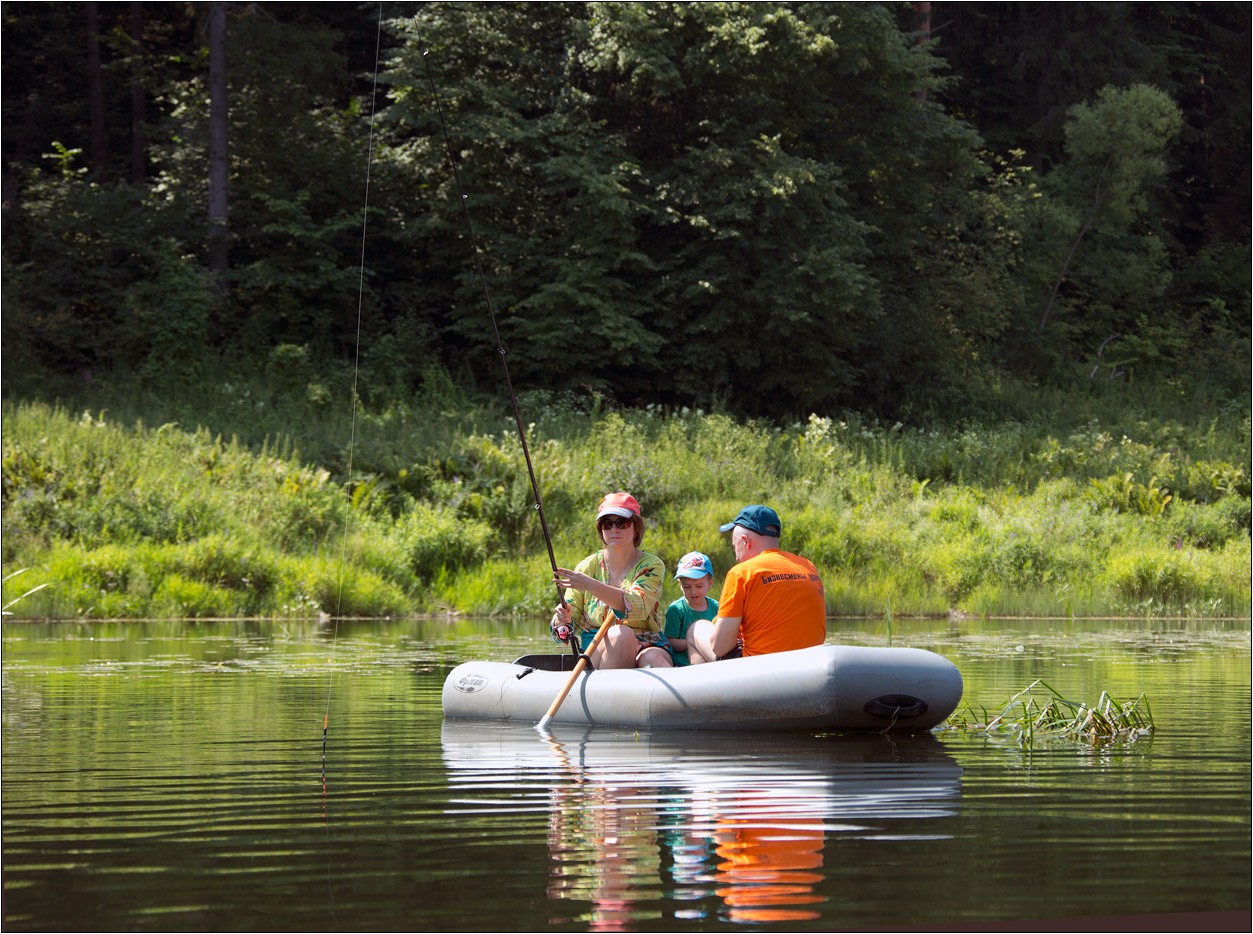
{"x":726,"y":631}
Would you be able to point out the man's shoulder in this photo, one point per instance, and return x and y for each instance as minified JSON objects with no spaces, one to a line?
{"x":777,"y":565}
{"x":774,"y":557}
{"x":787,"y":557}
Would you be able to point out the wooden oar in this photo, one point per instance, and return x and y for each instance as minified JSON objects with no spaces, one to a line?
{"x":542,"y":726}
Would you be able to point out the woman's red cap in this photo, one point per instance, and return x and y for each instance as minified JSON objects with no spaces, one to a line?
{"x":619,"y":504}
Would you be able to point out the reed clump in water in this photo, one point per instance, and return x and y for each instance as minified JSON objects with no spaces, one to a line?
{"x":1028,"y":718}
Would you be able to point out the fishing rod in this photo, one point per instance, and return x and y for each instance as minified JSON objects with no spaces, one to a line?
{"x":500,"y":347}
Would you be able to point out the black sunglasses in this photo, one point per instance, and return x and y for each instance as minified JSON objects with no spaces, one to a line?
{"x":612,"y":522}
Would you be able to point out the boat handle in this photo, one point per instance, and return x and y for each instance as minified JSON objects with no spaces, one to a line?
{"x":896,"y":706}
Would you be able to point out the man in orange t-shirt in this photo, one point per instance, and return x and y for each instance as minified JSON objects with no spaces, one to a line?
{"x":771,"y":600}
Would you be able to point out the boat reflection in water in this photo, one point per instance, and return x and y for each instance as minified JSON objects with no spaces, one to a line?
{"x":728,"y":825}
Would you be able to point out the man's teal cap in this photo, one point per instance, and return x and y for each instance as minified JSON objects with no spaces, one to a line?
{"x":760,"y":519}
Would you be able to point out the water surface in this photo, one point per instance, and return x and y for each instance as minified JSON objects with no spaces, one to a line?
{"x":171,"y":776}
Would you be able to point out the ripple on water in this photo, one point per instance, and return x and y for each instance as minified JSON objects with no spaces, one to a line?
{"x":174,"y":779}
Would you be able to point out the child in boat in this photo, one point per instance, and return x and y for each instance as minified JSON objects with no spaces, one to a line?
{"x":695,"y":575}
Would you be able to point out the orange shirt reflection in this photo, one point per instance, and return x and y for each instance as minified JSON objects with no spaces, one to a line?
{"x":768,"y":867}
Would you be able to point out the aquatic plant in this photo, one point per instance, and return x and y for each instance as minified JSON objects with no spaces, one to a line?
{"x":1027,"y":718}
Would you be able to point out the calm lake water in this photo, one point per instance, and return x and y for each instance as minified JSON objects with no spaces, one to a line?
{"x":172,"y":776}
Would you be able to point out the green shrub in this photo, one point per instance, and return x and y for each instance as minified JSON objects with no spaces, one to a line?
{"x":1122,"y":493}
{"x":224,"y":563}
{"x":368,"y":595}
{"x":433,"y":539}
{"x":179,"y":597}
{"x":1212,"y":481}
{"x":324,"y":584}
{"x":520,"y":587}
{"x":1163,"y":576}
{"x":1020,"y":561}
{"x":1206,"y":525}
{"x":106,"y":582}
{"x":958,"y":508}
{"x":1231,"y":576}
{"x":956,"y":567}
{"x":136,"y":521}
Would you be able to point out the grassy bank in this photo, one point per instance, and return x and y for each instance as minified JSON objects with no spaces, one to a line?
{"x":221,"y":514}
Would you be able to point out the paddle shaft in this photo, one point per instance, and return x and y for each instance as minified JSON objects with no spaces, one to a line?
{"x":574,"y":675}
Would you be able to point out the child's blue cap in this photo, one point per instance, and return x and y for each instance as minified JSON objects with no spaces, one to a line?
{"x":694,"y":564}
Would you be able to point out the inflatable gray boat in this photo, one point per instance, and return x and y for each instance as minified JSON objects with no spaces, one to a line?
{"x":824,"y":688}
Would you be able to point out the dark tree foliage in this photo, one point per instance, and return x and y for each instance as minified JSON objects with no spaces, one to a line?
{"x":1022,"y":66}
{"x":83,"y":254}
{"x":1020,"y":69}
{"x":696,"y":203}
{"x":773,"y":208}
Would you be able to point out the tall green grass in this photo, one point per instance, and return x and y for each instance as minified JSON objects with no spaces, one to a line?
{"x":226,"y":515}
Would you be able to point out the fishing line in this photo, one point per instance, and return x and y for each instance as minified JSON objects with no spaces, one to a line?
{"x":356,"y":368}
{"x":500,"y":347}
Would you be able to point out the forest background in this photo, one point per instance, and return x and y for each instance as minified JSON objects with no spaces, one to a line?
{"x":963,"y":289}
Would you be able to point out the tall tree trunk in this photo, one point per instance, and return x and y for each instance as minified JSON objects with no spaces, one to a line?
{"x":922,"y":26}
{"x":1083,"y":232}
{"x":219,"y":252}
{"x":99,"y":157}
{"x":139,"y":100}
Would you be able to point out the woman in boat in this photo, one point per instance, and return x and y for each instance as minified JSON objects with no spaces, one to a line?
{"x":620,"y":584}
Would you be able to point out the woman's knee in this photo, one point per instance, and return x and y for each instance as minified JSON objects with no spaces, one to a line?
{"x":617,"y":649}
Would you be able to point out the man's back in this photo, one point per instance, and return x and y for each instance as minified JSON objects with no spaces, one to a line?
{"x":779,"y":599}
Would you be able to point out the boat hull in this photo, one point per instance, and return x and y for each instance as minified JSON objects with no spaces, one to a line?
{"x":823,"y":688}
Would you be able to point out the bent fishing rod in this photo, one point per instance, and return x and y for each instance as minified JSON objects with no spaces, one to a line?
{"x":491,"y":311}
